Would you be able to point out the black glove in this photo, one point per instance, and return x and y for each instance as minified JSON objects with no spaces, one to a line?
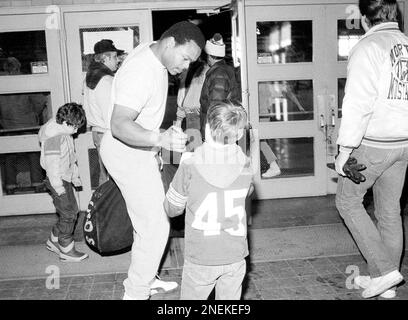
{"x":352,"y":170}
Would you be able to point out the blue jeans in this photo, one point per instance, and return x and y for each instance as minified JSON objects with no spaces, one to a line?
{"x":199,"y":280}
{"x":193,"y":131}
{"x":67,"y":210}
{"x":381,"y":244}
{"x":193,"y":120}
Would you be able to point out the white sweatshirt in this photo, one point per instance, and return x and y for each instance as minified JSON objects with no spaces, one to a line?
{"x":97,"y":103}
{"x":375,"y":105}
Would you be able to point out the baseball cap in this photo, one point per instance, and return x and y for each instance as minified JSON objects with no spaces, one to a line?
{"x":106,"y":45}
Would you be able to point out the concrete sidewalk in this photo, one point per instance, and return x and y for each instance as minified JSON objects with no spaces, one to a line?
{"x":272,"y":244}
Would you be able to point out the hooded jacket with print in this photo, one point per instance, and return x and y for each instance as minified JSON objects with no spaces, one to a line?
{"x":375,"y":105}
{"x":212,"y":186}
{"x":58,"y":157}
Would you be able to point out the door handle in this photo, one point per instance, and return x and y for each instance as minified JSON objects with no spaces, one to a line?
{"x":332,"y":118}
{"x":321,"y":111}
{"x":331,"y":130}
{"x":331,"y":106}
{"x":322,"y":121}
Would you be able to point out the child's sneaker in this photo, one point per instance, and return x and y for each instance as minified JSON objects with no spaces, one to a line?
{"x":159,"y":285}
{"x":52,"y":244}
{"x":70,"y":254}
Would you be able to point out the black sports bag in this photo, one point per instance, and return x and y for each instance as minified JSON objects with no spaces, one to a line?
{"x":107,"y":226}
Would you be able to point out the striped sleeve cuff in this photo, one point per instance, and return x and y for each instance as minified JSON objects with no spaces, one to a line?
{"x":52,"y":152}
{"x":175,"y":198}
{"x":345,"y":149}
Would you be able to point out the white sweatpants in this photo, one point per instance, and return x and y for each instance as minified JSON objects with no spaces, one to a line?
{"x":137,"y":175}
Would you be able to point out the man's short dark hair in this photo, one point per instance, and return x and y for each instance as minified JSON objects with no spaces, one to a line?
{"x":72,"y":113}
{"x":378,"y":11}
{"x":183,"y":32}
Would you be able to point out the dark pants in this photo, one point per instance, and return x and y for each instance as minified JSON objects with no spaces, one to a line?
{"x":203,"y":121}
{"x":103,"y":174}
{"x":67,"y":210}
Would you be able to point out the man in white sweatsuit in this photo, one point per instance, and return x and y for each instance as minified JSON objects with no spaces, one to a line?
{"x":129,"y":148}
{"x":374,"y":130}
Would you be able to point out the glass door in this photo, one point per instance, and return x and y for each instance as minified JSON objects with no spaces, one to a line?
{"x":127,"y":28}
{"x":31,"y":88}
{"x":286,"y":54}
{"x":343,"y":30}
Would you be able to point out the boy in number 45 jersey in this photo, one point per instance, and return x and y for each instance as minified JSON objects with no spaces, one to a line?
{"x":212,"y":184}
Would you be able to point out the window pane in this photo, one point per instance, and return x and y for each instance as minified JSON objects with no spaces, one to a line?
{"x":284,"y":41}
{"x":21,"y":173}
{"x":24,"y":113}
{"x":94,"y":168}
{"x":294,"y":156}
{"x":348,"y":33}
{"x":285,"y":100}
{"x":124,"y":38}
{"x":341,"y":84}
{"x":23,"y":52}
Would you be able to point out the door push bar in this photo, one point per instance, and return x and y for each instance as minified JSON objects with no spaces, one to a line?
{"x":326,"y":106}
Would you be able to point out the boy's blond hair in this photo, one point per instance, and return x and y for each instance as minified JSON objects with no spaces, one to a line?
{"x":226,"y":120}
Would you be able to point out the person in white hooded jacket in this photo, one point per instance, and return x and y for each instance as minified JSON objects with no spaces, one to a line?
{"x":374,"y":130}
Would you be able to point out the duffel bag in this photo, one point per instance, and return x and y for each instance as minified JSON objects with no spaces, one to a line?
{"x":107,"y":226}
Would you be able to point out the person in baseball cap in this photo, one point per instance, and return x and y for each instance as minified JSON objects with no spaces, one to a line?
{"x":97,"y":90}
{"x":106,"y":45}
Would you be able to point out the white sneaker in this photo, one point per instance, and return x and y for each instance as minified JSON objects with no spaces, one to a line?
{"x":127,"y":297}
{"x":381,"y":284}
{"x":364,"y":282}
{"x":159,"y":285}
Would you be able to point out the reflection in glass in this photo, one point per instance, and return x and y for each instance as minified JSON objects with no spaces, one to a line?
{"x":124,"y":38}
{"x":280,"y":42}
{"x":23,"y":52}
{"x":23,"y":113}
{"x":348,"y":33}
{"x":21,"y":173}
{"x":294,"y":156}
{"x":341,"y":84}
{"x":94,"y":168}
{"x":285,"y":100}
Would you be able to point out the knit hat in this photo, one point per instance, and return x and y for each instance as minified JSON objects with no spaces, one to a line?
{"x":215,"y":46}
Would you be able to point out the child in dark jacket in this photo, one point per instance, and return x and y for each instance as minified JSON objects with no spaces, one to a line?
{"x":59,"y":161}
